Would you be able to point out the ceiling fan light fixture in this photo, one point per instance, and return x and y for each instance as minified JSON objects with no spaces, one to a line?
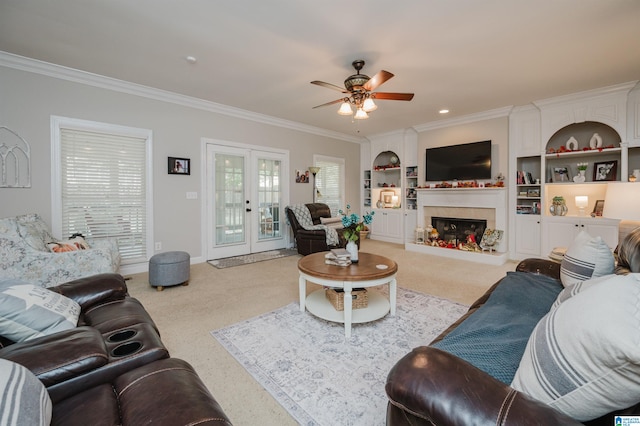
{"x":361,"y":114}
{"x":369,"y":105}
{"x":345,"y":108}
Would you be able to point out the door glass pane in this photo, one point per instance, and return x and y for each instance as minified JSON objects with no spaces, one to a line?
{"x":269,"y":198}
{"x":229,"y":199}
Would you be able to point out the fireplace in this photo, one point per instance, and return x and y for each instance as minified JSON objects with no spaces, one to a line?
{"x":455,"y":230}
{"x":478,"y":204}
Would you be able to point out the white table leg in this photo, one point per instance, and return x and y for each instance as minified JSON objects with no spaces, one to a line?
{"x":393,"y":291}
{"x":348,"y":309}
{"x":302,"y":289}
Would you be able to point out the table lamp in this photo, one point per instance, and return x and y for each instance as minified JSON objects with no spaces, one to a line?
{"x":582,"y":201}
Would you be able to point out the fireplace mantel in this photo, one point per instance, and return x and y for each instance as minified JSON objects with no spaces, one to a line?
{"x":472,"y":198}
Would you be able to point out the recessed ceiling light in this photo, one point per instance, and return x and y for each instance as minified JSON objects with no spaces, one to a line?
{"x":191,"y":59}
{"x":444,"y":111}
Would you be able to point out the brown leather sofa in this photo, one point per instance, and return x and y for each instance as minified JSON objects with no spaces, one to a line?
{"x":113,"y":368}
{"x":429,"y":386}
{"x":312,"y":240}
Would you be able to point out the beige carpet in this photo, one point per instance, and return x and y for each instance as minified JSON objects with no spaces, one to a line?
{"x":216,"y":298}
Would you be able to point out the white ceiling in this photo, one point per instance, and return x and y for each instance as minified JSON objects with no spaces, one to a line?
{"x":469,"y":56}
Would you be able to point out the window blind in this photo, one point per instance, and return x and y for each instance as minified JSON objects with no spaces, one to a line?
{"x":103,"y":188}
{"x":330,"y":183}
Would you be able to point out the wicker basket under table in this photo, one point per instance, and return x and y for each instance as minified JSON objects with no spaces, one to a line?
{"x":358,"y":297}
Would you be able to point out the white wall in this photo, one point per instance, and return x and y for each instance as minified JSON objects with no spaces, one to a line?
{"x":494,"y":129}
{"x":27,"y":101}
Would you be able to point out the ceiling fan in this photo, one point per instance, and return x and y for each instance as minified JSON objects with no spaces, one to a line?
{"x":360,"y":92}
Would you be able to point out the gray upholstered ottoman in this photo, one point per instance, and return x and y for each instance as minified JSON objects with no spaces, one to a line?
{"x":169,"y":268}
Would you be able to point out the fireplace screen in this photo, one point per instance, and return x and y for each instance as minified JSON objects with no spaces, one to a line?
{"x":456,"y":230}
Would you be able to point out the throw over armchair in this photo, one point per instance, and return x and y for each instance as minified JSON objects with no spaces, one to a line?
{"x":313,"y":239}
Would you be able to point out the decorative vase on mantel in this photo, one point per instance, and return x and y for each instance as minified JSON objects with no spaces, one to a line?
{"x":352,"y":248}
{"x":580,"y":177}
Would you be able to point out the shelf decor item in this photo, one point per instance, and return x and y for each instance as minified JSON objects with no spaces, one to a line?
{"x":596,"y":141}
{"x":558,"y":206}
{"x":582,"y":169}
{"x":582,"y":201}
{"x":572,"y":144}
{"x":605,"y":171}
{"x":560,"y":174}
{"x":598,"y":208}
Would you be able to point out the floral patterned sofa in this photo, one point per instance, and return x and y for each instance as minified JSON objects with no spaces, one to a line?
{"x":24,"y":254}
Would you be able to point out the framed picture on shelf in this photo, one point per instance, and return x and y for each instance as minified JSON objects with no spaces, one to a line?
{"x":560,"y":174}
{"x":533,"y":192}
{"x":387,"y":198}
{"x":179,"y":166}
{"x":606,"y":170}
{"x":598,"y":208}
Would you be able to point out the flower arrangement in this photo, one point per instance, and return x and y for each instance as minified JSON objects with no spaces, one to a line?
{"x":352,"y":223}
{"x":583,"y":166}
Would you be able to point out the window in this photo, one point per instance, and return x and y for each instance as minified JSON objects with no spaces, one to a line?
{"x":101,"y":184}
{"x":330,"y":182}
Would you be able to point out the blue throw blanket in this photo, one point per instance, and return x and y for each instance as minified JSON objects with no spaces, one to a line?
{"x":494,"y":337}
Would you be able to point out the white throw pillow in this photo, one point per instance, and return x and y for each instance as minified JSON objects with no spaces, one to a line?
{"x":579,"y":287}
{"x":25,"y":401}
{"x":587,"y":257}
{"x":28,"y":311}
{"x":332,"y":222}
{"x":583,"y":358}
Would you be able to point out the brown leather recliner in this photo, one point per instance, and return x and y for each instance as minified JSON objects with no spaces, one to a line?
{"x":113,"y":368}
{"x":165,"y":392}
{"x":312,"y":240}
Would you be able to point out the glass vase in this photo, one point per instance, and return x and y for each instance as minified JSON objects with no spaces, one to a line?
{"x":558,"y":207}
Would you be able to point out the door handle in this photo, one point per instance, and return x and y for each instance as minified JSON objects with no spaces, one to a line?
{"x":248,"y":210}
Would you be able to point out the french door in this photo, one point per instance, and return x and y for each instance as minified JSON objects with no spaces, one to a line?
{"x":246,"y":193}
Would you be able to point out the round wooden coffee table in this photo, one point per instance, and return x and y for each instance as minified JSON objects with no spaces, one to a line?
{"x":371,"y":270}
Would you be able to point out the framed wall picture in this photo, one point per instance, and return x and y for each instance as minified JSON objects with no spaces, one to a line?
{"x":560,"y":174}
{"x":179,"y":166}
{"x":598,"y":208}
{"x":302,"y":176}
{"x":606,"y":170}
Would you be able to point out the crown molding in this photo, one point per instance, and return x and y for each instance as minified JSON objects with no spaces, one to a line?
{"x":624,"y":88}
{"x":22,"y":63}
{"x":465,"y":119}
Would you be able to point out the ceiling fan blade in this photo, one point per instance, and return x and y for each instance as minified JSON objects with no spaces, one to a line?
{"x":329,"y":103}
{"x":329,"y":86}
{"x":377,"y":80}
{"x":392,"y":96}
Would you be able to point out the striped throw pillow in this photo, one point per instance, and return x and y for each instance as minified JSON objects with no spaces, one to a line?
{"x":583,"y":357}
{"x":25,"y":401}
{"x":587,"y":257}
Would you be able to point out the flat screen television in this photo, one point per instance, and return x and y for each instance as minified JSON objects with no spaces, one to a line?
{"x":469,"y":161}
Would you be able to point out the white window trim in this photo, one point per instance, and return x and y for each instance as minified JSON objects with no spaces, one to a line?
{"x":318,"y":158}
{"x":58,"y":123}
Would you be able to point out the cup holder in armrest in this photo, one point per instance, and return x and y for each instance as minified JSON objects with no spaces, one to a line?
{"x":122,"y":335}
{"x":126,"y":349}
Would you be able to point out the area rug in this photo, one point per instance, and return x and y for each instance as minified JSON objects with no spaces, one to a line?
{"x":228,"y":262}
{"x":320,"y":377}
